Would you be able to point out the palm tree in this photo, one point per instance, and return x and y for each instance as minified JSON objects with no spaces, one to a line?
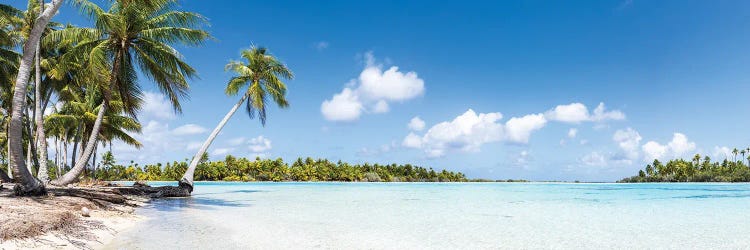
{"x":735,"y":152}
{"x":131,"y":35}
{"x":28,"y":184}
{"x":262,"y":74}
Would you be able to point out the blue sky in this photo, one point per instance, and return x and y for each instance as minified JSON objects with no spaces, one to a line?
{"x":672,"y":75}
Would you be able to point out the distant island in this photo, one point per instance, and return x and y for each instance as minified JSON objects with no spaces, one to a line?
{"x":696,"y":170}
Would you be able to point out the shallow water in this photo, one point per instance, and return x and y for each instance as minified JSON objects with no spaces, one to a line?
{"x":447,"y":216}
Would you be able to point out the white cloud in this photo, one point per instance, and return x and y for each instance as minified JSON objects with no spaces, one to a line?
{"x":372,"y":91}
{"x":193,"y":146}
{"x":344,"y":106}
{"x":523,"y":158}
{"x":722,"y":152}
{"x":594,"y":159}
{"x":519,"y":130}
{"x":601,"y":114}
{"x":189,"y":129}
{"x":629,"y":141}
{"x":654,"y":150}
{"x":156,"y":106}
{"x":236,"y":141}
{"x":570,"y":113}
{"x":412,"y":141}
{"x":221,"y":152}
{"x":259,"y":144}
{"x":380,"y":107}
{"x":572,"y":133}
{"x":416,"y":124}
{"x":390,"y":85}
{"x":466,"y":132}
{"x":578,"y":112}
{"x":678,"y":147}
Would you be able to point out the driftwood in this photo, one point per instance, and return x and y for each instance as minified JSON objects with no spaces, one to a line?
{"x":128,"y":195}
{"x":89,"y":193}
{"x":153,"y":192}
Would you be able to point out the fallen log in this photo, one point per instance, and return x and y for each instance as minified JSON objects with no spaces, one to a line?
{"x":90,"y":194}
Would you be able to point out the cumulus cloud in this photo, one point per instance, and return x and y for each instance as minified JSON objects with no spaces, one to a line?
{"x":189,"y":129}
{"x":412,"y":141}
{"x":156,"y":106}
{"x":572,"y":133}
{"x":629,"y":142}
{"x":601,"y":114}
{"x":193,"y":146}
{"x":221,"y":152}
{"x":466,"y":132}
{"x":523,"y":158}
{"x":679,"y":146}
{"x":381,"y":107}
{"x":416,"y":124}
{"x":578,"y":112}
{"x":519,"y":130}
{"x":372,"y":91}
{"x":236,"y":141}
{"x":570,"y":113}
{"x":259,"y":144}
{"x":469,"y":131}
{"x":594,"y":159}
{"x":344,"y":106}
{"x":722,"y":152}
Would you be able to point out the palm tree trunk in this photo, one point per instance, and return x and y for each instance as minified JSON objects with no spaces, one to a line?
{"x":187,"y":179}
{"x":41,"y":139}
{"x":93,"y":161}
{"x":27,"y":184}
{"x":72,"y":175}
{"x":10,"y":169}
{"x":76,"y":138}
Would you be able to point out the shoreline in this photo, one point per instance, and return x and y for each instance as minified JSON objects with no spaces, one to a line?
{"x":61,"y":222}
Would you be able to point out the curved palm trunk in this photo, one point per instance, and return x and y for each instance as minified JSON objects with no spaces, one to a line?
{"x":72,"y":175}
{"x":41,"y":139}
{"x":187,"y":179}
{"x":27,"y":184}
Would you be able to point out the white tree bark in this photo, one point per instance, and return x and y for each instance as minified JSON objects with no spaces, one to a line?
{"x":28,"y":184}
{"x":187,"y":178}
{"x":41,"y":139}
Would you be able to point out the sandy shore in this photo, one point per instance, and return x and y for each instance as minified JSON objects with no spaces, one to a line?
{"x":58,"y":222}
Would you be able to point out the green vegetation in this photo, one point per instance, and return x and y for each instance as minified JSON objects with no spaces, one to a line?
{"x":243,"y":169}
{"x":695,"y":170}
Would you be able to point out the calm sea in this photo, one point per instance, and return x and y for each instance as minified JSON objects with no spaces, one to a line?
{"x":447,"y":216}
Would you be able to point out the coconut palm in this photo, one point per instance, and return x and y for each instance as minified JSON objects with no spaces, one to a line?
{"x":28,"y":184}
{"x":262,"y":74}
{"x":131,"y":36}
{"x":735,"y":152}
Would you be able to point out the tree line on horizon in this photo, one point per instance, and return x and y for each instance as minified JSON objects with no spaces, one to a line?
{"x":80,"y":87}
{"x":697,"y":169}
{"x":243,"y":169}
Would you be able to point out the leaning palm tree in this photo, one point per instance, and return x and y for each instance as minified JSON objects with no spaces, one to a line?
{"x":131,"y":35}
{"x":27,"y":183}
{"x":262,"y":74}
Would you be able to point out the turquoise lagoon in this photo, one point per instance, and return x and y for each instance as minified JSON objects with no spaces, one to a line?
{"x":224,"y":215}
